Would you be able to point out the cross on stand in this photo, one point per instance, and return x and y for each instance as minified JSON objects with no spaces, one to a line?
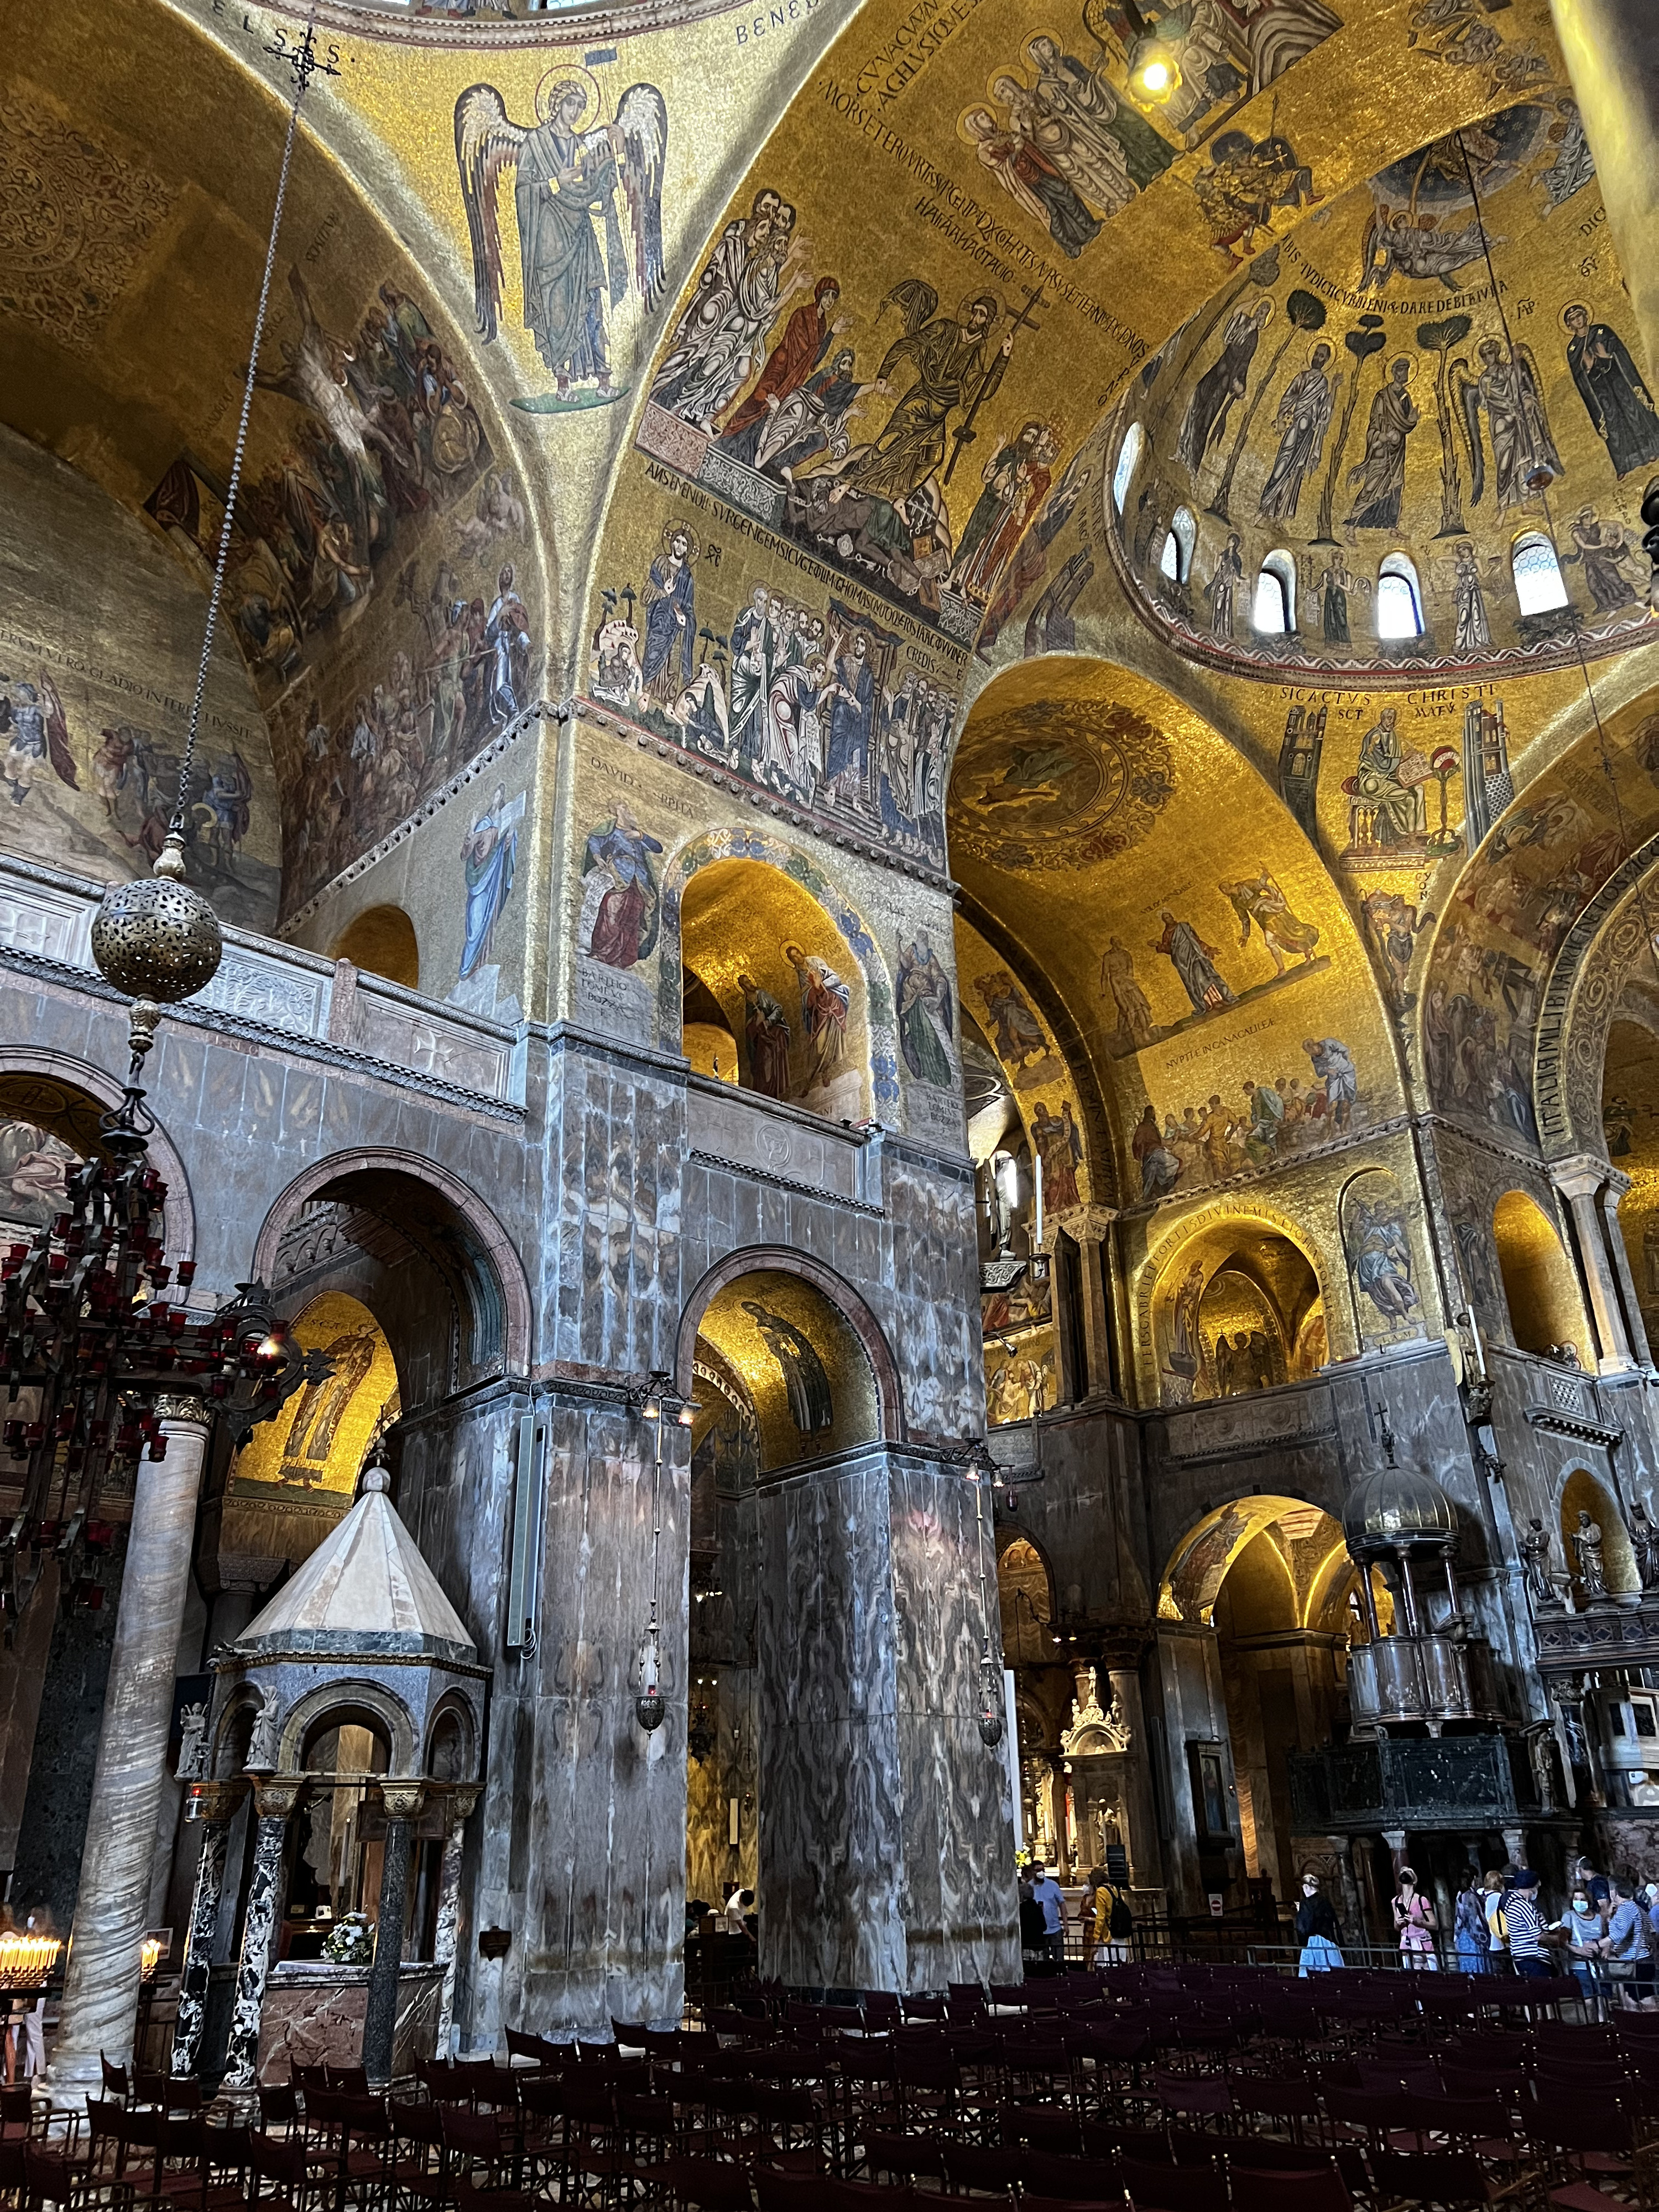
{"x":964,"y":436}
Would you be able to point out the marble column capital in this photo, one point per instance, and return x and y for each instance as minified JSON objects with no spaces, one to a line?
{"x":1617,"y":1182}
{"x":276,"y":1801}
{"x":461,"y":1803}
{"x":1088,"y":1224}
{"x":403,"y":1800}
{"x":175,"y":1406}
{"x":1580,"y":1175}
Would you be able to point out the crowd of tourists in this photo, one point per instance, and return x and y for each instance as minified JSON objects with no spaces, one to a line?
{"x":1606,"y":1932}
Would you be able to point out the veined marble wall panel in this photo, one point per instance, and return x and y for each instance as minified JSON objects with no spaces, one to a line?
{"x":616,"y":1144}
{"x":734,"y":1129}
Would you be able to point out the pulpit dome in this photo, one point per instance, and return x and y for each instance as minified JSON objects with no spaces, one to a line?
{"x":1398,"y":1508}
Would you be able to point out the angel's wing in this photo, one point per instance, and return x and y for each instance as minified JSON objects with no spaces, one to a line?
{"x":486,"y":141}
{"x":1373,"y":248}
{"x":639,"y":134}
{"x":1468,"y":391}
{"x":58,"y":736}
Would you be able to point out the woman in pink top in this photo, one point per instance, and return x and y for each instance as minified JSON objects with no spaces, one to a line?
{"x":1414,"y":1915}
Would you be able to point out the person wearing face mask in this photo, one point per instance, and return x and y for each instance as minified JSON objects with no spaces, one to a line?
{"x":1587,"y":1942}
{"x":1317,"y":1929}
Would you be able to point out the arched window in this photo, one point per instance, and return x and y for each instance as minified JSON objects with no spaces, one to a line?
{"x":1128,"y":453}
{"x":1538,"y":585}
{"x":1176,"y":562}
{"x":1399,"y":599}
{"x":1274,"y":612}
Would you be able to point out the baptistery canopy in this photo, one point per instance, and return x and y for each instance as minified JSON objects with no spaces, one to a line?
{"x":1399,"y":1508}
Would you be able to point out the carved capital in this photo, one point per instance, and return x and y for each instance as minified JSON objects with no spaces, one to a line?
{"x":1581,"y":1175}
{"x":183,"y":1405}
{"x":1087,"y":1224}
{"x":459,"y":1809}
{"x":276,"y":1801}
{"x":403,"y":1800}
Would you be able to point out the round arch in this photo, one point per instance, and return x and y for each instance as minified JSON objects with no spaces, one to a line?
{"x":1199,"y":1559}
{"x":347,"y":1700}
{"x":757,"y":1259}
{"x":1156,"y":1289}
{"x":19,"y":1066}
{"x":706,"y":847}
{"x":1580,"y":1492}
{"x":494,"y":1248}
{"x":1541,"y":1290}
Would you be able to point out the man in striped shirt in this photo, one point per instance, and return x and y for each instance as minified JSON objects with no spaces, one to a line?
{"x":1526,"y":1925}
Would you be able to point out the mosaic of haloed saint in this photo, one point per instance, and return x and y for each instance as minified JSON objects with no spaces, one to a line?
{"x":1346,"y":456}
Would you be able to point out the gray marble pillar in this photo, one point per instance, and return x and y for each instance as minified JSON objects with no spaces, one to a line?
{"x":276,"y":1802}
{"x":1612,"y":1191}
{"x":402,"y":1806}
{"x":101,"y":1986}
{"x":218,"y":1807}
{"x":886,"y":1837}
{"x":446,"y":1933}
{"x":1146,"y":1860}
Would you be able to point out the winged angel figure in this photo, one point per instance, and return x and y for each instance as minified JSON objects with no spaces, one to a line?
{"x":571,"y":168}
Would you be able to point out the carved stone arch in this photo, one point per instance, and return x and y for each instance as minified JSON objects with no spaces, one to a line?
{"x":244,"y":1698}
{"x":345,"y":1695}
{"x":705,"y":846}
{"x":454,"y":1705}
{"x":756,"y":1259}
{"x":494,"y":1250}
{"x":1586,"y":980}
{"x":20,"y":1062}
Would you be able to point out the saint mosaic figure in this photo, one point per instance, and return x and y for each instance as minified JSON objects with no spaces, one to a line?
{"x":1029,"y":176}
{"x":1332,"y":1063}
{"x":1473,"y":634}
{"x":1617,"y":401}
{"x":625,"y":924}
{"x":956,"y":362}
{"x":825,"y":1001}
{"x":1511,"y":394}
{"x":806,"y":1380}
{"x":1304,"y":415}
{"x":1380,"y":1254}
{"x":571,"y":168}
{"x":1118,"y":984}
{"x":1222,"y":589}
{"x":766,"y":1033}
{"x":1380,"y":476}
{"x":1060,"y":1146}
{"x":671,"y":616}
{"x":489,"y":854}
{"x":1335,"y":583}
{"x":1603,"y":548}
{"x":807,"y":337}
{"x":1194,"y":961}
{"x":744,"y":286}
{"x":1083,"y":100}
{"x":925,"y":1017}
{"x":1205,"y":423}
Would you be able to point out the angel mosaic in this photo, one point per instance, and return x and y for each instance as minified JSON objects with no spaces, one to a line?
{"x":571,"y":171}
{"x":1511,"y":394}
{"x":35,"y":734}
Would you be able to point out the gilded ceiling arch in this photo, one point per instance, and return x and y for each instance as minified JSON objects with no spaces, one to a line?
{"x":1216,"y":988}
{"x":390,"y":586}
{"x":882,"y":236}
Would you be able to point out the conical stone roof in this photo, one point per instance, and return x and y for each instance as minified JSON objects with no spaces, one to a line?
{"x":365,"y":1590}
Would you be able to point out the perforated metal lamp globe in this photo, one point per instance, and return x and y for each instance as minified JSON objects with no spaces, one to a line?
{"x":158,"y":942}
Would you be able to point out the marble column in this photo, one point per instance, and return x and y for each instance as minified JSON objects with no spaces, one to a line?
{"x":1146,"y":1862}
{"x":1613,"y":1190}
{"x":276,"y":1802}
{"x":1579,"y":1180}
{"x":101,"y":1985}
{"x":218,"y":1806}
{"x":886,"y":1844}
{"x":403,"y":1802}
{"x":447,"y":1932}
{"x":1611,"y":53}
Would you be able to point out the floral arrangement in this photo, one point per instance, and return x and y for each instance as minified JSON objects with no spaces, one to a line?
{"x":351,"y":1940}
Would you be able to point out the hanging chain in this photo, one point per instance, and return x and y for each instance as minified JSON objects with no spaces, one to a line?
{"x":303,"y":62}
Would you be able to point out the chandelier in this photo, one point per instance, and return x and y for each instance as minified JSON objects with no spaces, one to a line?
{"x":93,"y":1341}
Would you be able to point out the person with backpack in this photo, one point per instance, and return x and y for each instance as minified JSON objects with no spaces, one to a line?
{"x":1470,"y":1928}
{"x":1413,"y":1920}
{"x":1114,"y":1923}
